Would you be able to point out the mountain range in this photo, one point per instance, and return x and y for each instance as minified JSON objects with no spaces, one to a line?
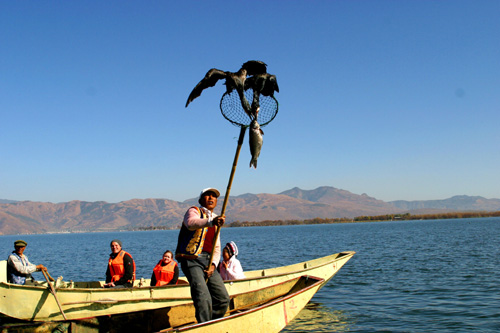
{"x":17,"y":217}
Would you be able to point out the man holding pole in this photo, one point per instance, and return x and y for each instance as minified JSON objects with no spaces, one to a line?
{"x":194,"y":248}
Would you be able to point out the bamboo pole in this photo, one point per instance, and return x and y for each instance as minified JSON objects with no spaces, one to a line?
{"x":228,"y":189}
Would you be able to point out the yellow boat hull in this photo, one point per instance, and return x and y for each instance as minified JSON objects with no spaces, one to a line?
{"x":88,"y":299}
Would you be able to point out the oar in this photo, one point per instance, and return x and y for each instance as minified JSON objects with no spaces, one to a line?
{"x":53,"y":293}
{"x":50,"y":277}
{"x":226,"y":197}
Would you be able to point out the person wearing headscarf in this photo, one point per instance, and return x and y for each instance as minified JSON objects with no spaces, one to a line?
{"x":121,"y":267}
{"x":230,"y":267}
{"x":19,"y":267}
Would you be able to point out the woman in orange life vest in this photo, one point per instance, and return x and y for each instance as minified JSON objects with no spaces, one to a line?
{"x":121,"y":267}
{"x":166,"y":271}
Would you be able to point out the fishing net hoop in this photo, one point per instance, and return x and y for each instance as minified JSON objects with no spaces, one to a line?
{"x":231,"y":109}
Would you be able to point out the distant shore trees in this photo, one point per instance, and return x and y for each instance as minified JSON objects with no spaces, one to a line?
{"x":376,"y":218}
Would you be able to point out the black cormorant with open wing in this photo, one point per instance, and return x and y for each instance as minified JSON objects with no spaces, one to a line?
{"x":234,"y":80}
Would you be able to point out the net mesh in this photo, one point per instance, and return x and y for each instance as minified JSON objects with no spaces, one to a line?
{"x":230,"y":106}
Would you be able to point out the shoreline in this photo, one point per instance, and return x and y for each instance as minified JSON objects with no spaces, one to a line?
{"x":269,"y":223}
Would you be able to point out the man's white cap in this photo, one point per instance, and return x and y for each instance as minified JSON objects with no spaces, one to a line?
{"x":210,"y":189}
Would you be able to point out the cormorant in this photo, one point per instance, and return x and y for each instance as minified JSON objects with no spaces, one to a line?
{"x":233,"y":81}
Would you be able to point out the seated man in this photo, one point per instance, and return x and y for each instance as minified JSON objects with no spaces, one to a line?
{"x":18,"y":266}
{"x":121,"y":267}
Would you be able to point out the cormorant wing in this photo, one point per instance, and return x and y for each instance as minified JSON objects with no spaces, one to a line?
{"x":270,"y":85}
{"x":209,"y":80}
{"x":266,"y":84}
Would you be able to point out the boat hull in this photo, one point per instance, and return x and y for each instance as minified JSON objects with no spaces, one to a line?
{"x":271,"y":316}
{"x":268,"y":309}
{"x":88,"y":299}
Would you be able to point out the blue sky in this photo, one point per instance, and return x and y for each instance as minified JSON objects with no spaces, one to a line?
{"x":395,"y":99}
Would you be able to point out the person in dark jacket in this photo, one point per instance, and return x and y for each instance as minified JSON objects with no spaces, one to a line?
{"x":121,"y":267}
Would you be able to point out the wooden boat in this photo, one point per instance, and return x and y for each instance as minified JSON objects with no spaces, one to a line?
{"x":79,"y":300}
{"x":269,"y":316}
{"x":268,"y":309}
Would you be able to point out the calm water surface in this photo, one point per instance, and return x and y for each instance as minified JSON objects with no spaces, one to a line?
{"x":417,"y":276}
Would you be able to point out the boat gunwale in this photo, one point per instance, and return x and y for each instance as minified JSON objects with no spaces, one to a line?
{"x":44,"y":285}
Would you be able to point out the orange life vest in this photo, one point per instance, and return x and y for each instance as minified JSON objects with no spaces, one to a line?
{"x":164,"y":274}
{"x":117,"y":268}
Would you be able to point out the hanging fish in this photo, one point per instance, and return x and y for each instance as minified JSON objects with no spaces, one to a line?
{"x":256,"y":141}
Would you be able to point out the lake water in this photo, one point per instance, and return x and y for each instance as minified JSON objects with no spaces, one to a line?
{"x":415,"y":276}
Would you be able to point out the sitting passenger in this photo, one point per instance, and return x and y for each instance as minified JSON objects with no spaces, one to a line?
{"x":166,"y":271}
{"x":18,"y":266}
{"x":230,"y":268}
{"x":121,"y":267}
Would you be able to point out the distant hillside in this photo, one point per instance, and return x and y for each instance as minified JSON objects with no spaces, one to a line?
{"x":456,"y":203}
{"x":333,"y":196}
{"x":6,"y":201}
{"x":38,"y":217}
{"x":324,"y":202}
{"x":295,"y":204}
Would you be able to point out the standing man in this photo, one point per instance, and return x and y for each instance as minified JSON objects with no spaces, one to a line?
{"x":18,"y":266}
{"x":194,"y":246}
{"x":121,"y":267}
